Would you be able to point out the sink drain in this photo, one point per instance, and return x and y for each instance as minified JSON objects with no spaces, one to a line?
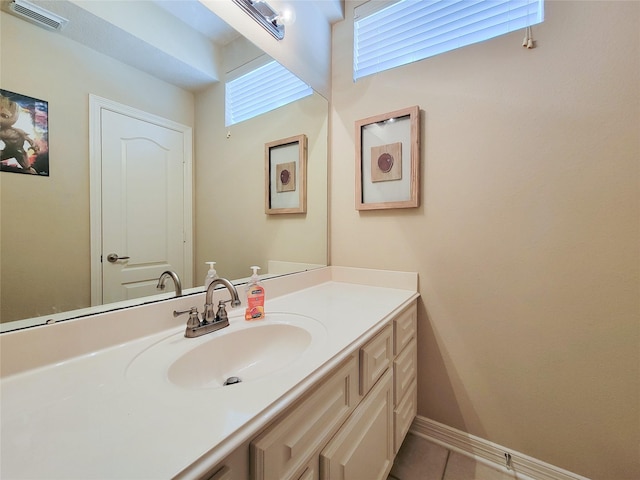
{"x":231,"y":381}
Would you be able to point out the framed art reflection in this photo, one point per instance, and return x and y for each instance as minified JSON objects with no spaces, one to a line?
{"x":286,"y":175}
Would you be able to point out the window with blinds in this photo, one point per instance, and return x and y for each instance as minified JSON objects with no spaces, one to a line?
{"x":262,"y":90}
{"x":388,"y":34}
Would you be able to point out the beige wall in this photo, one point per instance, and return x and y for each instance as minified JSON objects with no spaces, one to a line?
{"x":229,"y":179}
{"x":45,"y":221}
{"x":527,"y":237}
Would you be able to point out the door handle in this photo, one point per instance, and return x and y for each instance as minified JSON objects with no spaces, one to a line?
{"x":113,"y":258}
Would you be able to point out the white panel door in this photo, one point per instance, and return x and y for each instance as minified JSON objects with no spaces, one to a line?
{"x":142,"y":205}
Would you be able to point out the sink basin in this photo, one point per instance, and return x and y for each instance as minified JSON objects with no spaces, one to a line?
{"x":246,"y":350}
{"x":248,"y":354}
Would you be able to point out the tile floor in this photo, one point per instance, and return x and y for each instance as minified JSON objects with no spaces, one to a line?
{"x":420,"y":459}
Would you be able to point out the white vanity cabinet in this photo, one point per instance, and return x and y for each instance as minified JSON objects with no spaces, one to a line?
{"x":363,"y":448}
{"x":334,"y":399}
{"x":351,"y":425}
{"x":405,"y":363}
{"x":287,"y":447}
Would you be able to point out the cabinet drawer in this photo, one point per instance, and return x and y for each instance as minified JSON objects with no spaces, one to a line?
{"x":404,"y":414}
{"x":285,"y":447}
{"x":363,"y":448}
{"x":405,"y":326}
{"x":404,"y":371}
{"x":375,"y":358}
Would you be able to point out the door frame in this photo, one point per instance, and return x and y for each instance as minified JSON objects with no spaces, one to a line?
{"x":96,"y":105}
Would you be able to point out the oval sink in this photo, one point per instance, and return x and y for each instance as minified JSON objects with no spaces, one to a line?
{"x":247,"y":354}
{"x":247,"y":350}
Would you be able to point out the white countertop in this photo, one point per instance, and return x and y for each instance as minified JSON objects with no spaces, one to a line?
{"x":85,"y":417}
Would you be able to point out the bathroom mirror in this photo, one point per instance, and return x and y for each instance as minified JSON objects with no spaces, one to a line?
{"x":46,"y":221}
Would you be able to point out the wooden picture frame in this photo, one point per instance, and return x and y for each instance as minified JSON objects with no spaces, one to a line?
{"x":285,"y":174}
{"x":387,"y":160}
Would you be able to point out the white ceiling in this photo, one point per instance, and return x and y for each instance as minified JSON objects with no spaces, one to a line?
{"x":174,"y":65}
{"x":200,"y":18}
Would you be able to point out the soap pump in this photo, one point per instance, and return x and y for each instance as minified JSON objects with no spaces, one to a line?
{"x":211,"y":275}
{"x":254,"y":275}
{"x":255,"y":297}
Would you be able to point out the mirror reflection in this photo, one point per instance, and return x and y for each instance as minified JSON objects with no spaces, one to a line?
{"x":48,"y":232}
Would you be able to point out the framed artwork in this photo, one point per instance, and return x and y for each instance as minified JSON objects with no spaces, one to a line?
{"x":285,"y":173}
{"x":387,"y":160}
{"x":24,"y":134}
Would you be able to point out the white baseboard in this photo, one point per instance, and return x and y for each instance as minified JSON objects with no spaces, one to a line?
{"x":522,"y":467}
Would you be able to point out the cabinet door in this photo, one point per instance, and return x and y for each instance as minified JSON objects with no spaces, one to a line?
{"x":292,"y":441}
{"x":404,"y":414}
{"x":363,"y":448}
{"x":375,"y":358}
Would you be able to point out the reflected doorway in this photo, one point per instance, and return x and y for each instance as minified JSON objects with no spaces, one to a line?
{"x":141,"y":205}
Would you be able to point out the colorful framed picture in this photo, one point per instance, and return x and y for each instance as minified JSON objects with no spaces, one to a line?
{"x":387,"y":160}
{"x":285,"y":173}
{"x":24,"y":134}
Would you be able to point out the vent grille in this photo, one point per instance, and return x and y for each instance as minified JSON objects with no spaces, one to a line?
{"x":37,"y":15}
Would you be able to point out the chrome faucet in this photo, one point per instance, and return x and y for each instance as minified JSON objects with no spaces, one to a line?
{"x":208,"y":315}
{"x":176,"y":281}
{"x":210,"y":321}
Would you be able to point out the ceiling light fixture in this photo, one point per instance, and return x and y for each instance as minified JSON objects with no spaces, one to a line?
{"x":266,"y":16}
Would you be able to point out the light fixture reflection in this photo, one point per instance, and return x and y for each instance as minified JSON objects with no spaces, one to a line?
{"x":266,"y":16}
{"x":287,"y":16}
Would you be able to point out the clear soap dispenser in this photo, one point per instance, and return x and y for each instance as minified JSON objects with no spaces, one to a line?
{"x":211,"y":275}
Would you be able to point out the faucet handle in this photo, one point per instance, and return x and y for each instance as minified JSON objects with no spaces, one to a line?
{"x":194,"y":320}
{"x":221,"y":314}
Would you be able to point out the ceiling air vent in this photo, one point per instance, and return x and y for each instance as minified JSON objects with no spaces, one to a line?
{"x":37,"y":15}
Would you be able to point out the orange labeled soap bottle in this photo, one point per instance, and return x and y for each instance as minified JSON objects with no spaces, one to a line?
{"x":255,"y":297}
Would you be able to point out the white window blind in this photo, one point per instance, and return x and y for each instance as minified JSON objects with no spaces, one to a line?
{"x":262,"y":90}
{"x":387,"y":36}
